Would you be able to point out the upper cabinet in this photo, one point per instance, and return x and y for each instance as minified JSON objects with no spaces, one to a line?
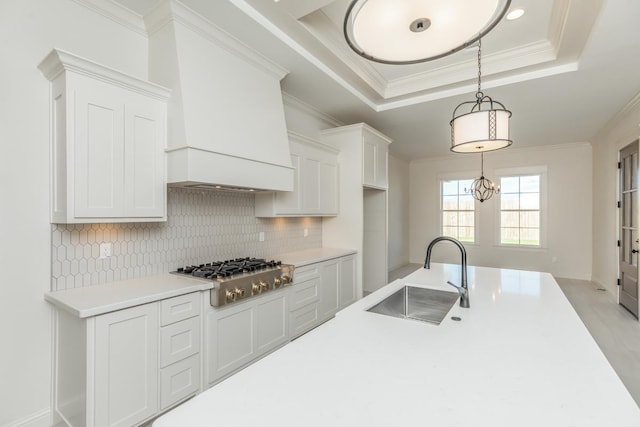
{"x":375,"y":159}
{"x":315,"y":188}
{"x":367,"y":150}
{"x":108,"y":142}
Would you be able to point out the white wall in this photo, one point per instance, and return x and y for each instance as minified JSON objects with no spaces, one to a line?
{"x":398,"y":216}
{"x":621,"y":131}
{"x":568,"y":250}
{"x":29,"y":29}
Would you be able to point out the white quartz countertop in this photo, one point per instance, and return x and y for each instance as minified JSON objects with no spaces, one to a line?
{"x":520,"y":356}
{"x":312,"y":256}
{"x":95,"y":300}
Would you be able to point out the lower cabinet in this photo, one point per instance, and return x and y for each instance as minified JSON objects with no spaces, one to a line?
{"x":319,"y":291}
{"x":240,"y":333}
{"x":123,"y":368}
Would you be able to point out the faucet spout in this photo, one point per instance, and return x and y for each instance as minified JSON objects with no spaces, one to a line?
{"x":463,"y":289}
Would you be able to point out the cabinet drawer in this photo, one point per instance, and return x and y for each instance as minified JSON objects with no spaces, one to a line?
{"x":179,"y":308}
{"x":305,"y":293}
{"x":179,"y":340}
{"x":179,"y":380}
{"x":305,"y":273}
{"x":304,"y":318}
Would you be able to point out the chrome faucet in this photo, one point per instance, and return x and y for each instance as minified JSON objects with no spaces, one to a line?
{"x":463,"y":289}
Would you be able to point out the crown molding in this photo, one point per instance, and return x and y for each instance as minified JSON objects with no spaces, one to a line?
{"x":59,"y":61}
{"x":295,"y":136}
{"x":117,"y":13}
{"x":293,"y":102}
{"x":174,"y":11}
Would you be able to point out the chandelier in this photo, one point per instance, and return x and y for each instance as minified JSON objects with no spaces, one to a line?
{"x":482,"y":124}
{"x":482,"y":188}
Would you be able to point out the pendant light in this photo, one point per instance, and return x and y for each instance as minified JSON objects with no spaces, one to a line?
{"x":480,"y":125}
{"x":412,"y":31}
{"x":482,"y":188}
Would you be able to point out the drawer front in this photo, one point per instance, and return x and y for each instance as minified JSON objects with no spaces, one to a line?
{"x":179,"y":340}
{"x":179,"y":381}
{"x":305,"y":273}
{"x":303,"y":293}
{"x":304,"y":319}
{"x":179,"y":308}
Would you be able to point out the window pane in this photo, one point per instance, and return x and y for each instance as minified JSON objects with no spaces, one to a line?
{"x":510,"y":184}
{"x":450,"y":231}
{"x":457,"y":210}
{"x":509,"y":201}
{"x":509,"y":219}
{"x":449,"y":219}
{"x":530,"y":236}
{"x":530,"y":201}
{"x":510,"y":236}
{"x":530,"y":184}
{"x":450,"y":203}
{"x":529,"y":219}
{"x":467,"y":203}
{"x":449,"y":188}
{"x":465,"y":219}
{"x":466,"y":234}
{"x":465,"y":184}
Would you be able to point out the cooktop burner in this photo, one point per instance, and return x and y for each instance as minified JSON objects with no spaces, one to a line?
{"x":224,"y":269}
{"x":241,"y":278}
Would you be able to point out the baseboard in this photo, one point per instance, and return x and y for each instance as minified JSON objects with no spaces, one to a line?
{"x":38,"y":419}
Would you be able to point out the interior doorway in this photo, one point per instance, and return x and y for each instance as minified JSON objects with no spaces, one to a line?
{"x":628,"y":243}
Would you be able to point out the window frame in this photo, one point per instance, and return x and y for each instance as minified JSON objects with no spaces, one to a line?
{"x":464,"y":176}
{"x":520,"y":172}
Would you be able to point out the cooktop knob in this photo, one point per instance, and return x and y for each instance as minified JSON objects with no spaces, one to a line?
{"x":256,"y":288}
{"x":231,"y":296}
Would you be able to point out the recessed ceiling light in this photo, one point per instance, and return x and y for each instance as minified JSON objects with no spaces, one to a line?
{"x":515,"y":14}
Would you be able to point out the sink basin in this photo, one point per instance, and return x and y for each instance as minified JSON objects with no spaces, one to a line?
{"x":410,"y":302}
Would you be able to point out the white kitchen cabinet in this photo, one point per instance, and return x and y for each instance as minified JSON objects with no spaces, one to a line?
{"x":315,"y":190}
{"x":375,"y":156}
{"x":363,"y":181}
{"x":319,"y":291}
{"x":124,"y":367}
{"x":305,"y":299}
{"x":107,"y":145}
{"x":242,"y":332}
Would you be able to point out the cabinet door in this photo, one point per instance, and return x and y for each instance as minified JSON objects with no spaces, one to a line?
{"x":311,"y":185}
{"x":97,"y":156}
{"x":271,"y":327}
{"x":126,"y":366}
{"x":368,"y":161}
{"x":381,"y":170}
{"x":329,"y":190}
{"x":290,"y":202}
{"x":329,"y":289}
{"x":230,"y":339}
{"x":347,"y":281}
{"x":144,"y":190}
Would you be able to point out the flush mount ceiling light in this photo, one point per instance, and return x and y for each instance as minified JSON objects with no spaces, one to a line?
{"x":480,"y":125}
{"x":482,"y":188}
{"x":412,"y":31}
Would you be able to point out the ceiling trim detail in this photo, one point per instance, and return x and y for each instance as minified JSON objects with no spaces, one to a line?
{"x":293,"y":102}
{"x":117,"y":13}
{"x":173,"y":10}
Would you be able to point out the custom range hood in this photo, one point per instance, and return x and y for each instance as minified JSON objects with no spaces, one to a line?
{"x":226,"y":125}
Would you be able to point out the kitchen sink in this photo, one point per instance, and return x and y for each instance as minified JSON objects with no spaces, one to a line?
{"x":410,"y":302}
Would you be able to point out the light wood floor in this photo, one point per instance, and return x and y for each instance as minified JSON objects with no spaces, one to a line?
{"x":616,"y":331}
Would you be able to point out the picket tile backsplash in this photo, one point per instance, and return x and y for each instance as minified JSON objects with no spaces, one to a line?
{"x":202,"y":226}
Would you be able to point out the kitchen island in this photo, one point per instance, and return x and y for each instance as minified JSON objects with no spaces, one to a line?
{"x":520,"y":356}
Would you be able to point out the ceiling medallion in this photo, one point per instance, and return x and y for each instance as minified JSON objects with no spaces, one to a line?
{"x":413,"y":31}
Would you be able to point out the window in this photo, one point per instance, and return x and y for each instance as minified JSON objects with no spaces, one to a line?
{"x":458,"y":210}
{"x":520,"y":210}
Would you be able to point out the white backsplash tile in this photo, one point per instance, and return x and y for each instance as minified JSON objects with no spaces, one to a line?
{"x":202,"y":226}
